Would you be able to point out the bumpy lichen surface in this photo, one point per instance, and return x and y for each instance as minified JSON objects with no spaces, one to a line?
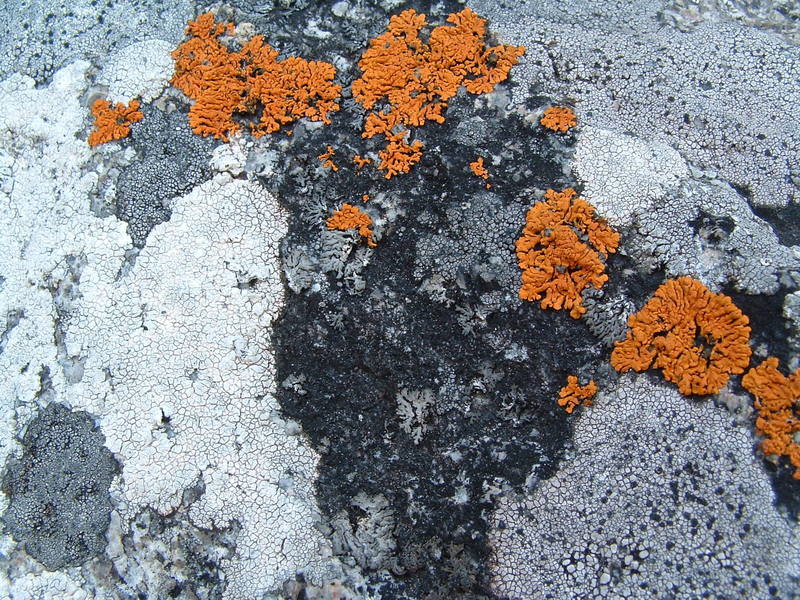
{"x":697,"y":338}
{"x":560,"y":251}
{"x":223,"y":83}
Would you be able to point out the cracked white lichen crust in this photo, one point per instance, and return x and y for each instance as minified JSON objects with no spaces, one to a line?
{"x":663,"y":497}
{"x":680,"y":218}
{"x":141,"y":70}
{"x":188,"y":392}
{"x":171,"y":353}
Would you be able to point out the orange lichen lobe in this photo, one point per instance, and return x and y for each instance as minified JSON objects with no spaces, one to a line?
{"x":559,"y":118}
{"x":225,"y":84}
{"x":113,"y":123}
{"x":414,"y":79}
{"x":573,"y":395}
{"x":327,"y":158}
{"x":560,"y":251}
{"x":361,"y":162}
{"x":697,"y":338}
{"x":352,"y":217}
{"x":478,"y":169}
{"x":777,"y":401}
{"x":365,"y":197}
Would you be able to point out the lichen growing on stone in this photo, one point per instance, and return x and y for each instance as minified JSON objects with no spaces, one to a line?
{"x":573,"y":394}
{"x":777,"y":401}
{"x":415,"y":79}
{"x":477,"y":168}
{"x":559,"y":118}
{"x":113,"y":122}
{"x":697,"y":338}
{"x":251,"y":81}
{"x":352,"y":217}
{"x":560,"y":251}
{"x":326,"y":158}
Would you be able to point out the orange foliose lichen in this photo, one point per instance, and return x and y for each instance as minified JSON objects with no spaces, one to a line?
{"x":777,"y":401}
{"x":327,"y":158}
{"x":113,"y":123}
{"x":224,"y":83}
{"x":560,"y":251}
{"x":361,"y":161}
{"x":573,"y":395}
{"x":415,"y":79}
{"x":559,"y":118}
{"x":697,"y":338}
{"x":478,"y":169}
{"x":352,"y":217}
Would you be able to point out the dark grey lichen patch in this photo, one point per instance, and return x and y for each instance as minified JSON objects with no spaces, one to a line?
{"x":171,"y":161}
{"x":59,"y":504}
{"x":484,"y":368}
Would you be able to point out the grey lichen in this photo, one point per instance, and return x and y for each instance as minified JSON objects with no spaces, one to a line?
{"x":662,"y":497}
{"x":59,"y":503}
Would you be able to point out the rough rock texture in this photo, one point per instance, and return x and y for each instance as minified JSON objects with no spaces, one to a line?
{"x":299,"y":415}
{"x":41,"y":36}
{"x":675,"y":506}
{"x":720,"y":94}
{"x":59,"y":505}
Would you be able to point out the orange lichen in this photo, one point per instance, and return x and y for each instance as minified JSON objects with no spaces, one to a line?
{"x":113,"y":123}
{"x":573,"y":395}
{"x":415,"y":79}
{"x":327,"y":159}
{"x":352,"y":217}
{"x":365,"y":197}
{"x":559,"y":118}
{"x":777,"y":400}
{"x":697,"y":338}
{"x":559,"y":251}
{"x":224,"y":83}
{"x":478,"y":169}
{"x":361,"y":162}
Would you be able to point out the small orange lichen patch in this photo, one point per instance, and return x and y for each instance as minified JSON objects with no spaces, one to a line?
{"x":327,"y":159}
{"x":560,"y":251}
{"x":352,"y":217}
{"x":416,"y":79}
{"x":559,"y":118}
{"x":365,"y":197}
{"x":573,"y":395}
{"x":224,"y":83}
{"x":777,"y":400}
{"x":113,"y":123}
{"x":697,"y":338}
{"x":361,"y":162}
{"x":479,"y":170}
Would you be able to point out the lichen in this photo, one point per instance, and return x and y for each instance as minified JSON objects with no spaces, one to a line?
{"x":560,"y":251}
{"x":776,"y":401}
{"x":224,"y":83}
{"x":559,"y":118}
{"x":697,"y":338}
{"x":113,"y":122}
{"x":352,"y":217}
{"x":416,"y":79}
{"x":573,"y":394}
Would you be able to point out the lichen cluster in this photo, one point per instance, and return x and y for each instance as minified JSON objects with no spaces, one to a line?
{"x":697,"y":338}
{"x":777,"y":402}
{"x":414,"y":80}
{"x":561,"y":251}
{"x":224,"y":84}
